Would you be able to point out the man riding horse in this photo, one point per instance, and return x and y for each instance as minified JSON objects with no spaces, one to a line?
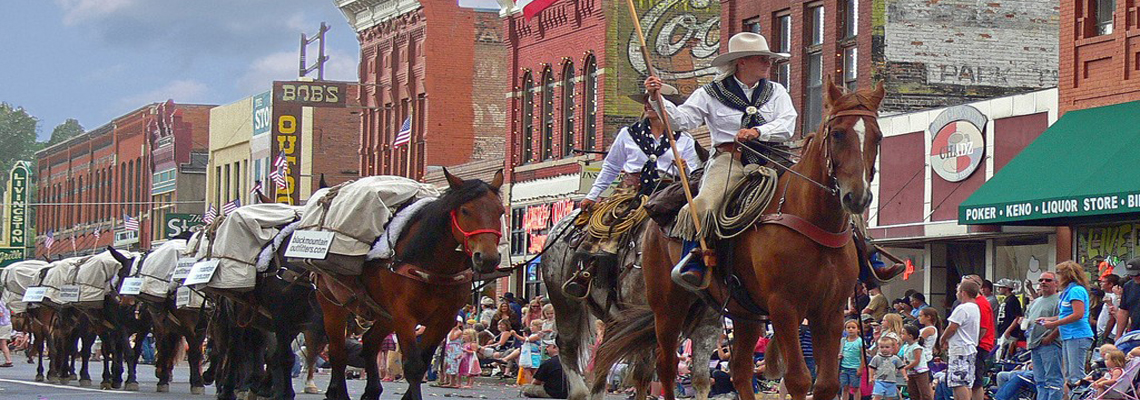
{"x":740,"y":107}
{"x":640,"y":152}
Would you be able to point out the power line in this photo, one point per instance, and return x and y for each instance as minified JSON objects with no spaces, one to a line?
{"x":124,"y":203}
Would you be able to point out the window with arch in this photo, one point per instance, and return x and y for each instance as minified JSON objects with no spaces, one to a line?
{"x":590,"y":103}
{"x":527,"y":120}
{"x":568,"y":109}
{"x":547,"y":114}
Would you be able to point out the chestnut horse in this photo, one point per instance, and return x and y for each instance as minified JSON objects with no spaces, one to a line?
{"x":446,"y":240}
{"x":787,"y":274}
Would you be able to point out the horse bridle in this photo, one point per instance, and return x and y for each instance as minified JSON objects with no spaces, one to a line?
{"x":467,"y":235}
{"x":827,"y":136}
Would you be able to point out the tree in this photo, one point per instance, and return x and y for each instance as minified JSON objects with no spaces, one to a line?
{"x":66,"y":130}
{"x":17,"y":138}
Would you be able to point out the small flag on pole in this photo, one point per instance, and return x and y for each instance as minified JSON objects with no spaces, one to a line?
{"x":405,"y":134}
{"x":129,"y":223}
{"x":210,"y":214}
{"x":279,"y":179}
{"x":256,"y":187}
{"x":72,"y":242}
{"x":97,"y":234}
{"x":231,"y":206}
{"x":49,"y":240}
{"x":281,"y":164}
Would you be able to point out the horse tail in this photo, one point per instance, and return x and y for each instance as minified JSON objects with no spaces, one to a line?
{"x":631,"y":332}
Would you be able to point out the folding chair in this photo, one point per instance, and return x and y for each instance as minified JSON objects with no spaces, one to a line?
{"x":1125,"y":387}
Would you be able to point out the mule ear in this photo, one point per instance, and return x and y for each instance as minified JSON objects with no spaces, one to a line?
{"x":878,"y":94}
{"x":452,"y":180}
{"x":122,"y":259}
{"x":831,"y":92}
{"x":497,"y":181}
{"x":322,"y":183}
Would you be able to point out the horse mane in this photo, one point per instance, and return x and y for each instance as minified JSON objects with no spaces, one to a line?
{"x":434,"y":219}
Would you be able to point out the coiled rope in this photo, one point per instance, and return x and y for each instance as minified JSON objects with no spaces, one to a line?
{"x":617,"y":215}
{"x":746,"y":202}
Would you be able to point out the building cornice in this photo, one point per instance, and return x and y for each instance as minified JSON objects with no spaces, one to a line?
{"x":364,"y":14}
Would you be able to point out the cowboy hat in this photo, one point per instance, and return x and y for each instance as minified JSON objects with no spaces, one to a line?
{"x":669,"y":92}
{"x":745,"y":44}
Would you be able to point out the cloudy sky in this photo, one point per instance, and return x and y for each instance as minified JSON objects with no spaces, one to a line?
{"x":94,"y":60}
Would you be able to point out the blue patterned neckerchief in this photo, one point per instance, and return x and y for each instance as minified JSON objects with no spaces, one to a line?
{"x":728,"y":92}
{"x":653,"y":149}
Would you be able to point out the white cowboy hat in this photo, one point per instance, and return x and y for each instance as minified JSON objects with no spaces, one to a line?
{"x":746,"y":44}
{"x":669,"y":92}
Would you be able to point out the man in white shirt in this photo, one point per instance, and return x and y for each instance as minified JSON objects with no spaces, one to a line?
{"x":740,"y":105}
{"x":961,"y":340}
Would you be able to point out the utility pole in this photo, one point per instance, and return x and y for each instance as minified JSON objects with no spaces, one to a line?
{"x":321,"y":57}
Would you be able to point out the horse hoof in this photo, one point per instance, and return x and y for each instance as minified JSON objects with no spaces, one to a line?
{"x":105,"y":386}
{"x":116,"y":385}
{"x":198,"y":390}
{"x":64,"y":381}
{"x":39,"y":378}
{"x":243,"y":395}
{"x":53,"y":380}
{"x":84,"y":383}
{"x":163,"y":388}
{"x":312,"y":389}
{"x":132,"y":387}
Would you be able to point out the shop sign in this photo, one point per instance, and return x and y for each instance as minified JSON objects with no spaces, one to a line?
{"x":262,"y":114}
{"x":590,"y":171}
{"x":1106,"y":242}
{"x":958,"y":145}
{"x":178,"y":223}
{"x":1061,"y":207}
{"x":286,"y":128}
{"x":537,"y":242}
{"x":9,"y":255}
{"x":311,"y":94}
{"x":16,"y":206}
{"x":560,"y":209}
{"x":537,"y":217}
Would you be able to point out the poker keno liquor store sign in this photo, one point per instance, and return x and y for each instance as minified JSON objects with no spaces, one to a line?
{"x":1065,"y":207}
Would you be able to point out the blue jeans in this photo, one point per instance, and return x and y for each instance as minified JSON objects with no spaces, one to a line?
{"x":1047,"y":371}
{"x":1009,"y":383}
{"x":1073,"y":351}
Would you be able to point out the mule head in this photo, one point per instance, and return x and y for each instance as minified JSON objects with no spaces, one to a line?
{"x":125,"y":260}
{"x":476,"y":222}
{"x":852,"y":135}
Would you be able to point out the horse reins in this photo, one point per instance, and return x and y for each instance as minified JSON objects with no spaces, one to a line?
{"x":467,"y":235}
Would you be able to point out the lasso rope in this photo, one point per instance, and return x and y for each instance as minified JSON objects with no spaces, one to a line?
{"x":616,"y":215}
{"x":746,"y":202}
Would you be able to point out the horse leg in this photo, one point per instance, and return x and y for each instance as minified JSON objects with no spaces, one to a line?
{"x":826,"y":332}
{"x":371,"y":341}
{"x":166,"y":347}
{"x":336,"y":319}
{"x":417,"y":360}
{"x":740,"y":362}
{"x":281,"y":363}
{"x":704,"y":342}
{"x":574,"y":332}
{"x":786,"y":323}
{"x":107,"y":349}
{"x":194,"y":357}
{"x":668,"y":324}
{"x":131,"y":356}
{"x":40,"y":345}
{"x":118,"y":358}
{"x":641,"y":372}
{"x":315,"y":339}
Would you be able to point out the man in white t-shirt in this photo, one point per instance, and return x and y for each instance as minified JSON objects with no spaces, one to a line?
{"x":1105,"y":323}
{"x":961,"y":340}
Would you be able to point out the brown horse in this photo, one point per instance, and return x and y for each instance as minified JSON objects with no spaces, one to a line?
{"x":448,"y":238}
{"x":785,"y":273}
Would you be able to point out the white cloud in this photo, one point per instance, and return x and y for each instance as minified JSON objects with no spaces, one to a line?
{"x":283,"y":66}
{"x":182,"y":91}
{"x":78,"y":10}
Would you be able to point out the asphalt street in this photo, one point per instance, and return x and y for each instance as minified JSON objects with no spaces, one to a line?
{"x":18,"y":383}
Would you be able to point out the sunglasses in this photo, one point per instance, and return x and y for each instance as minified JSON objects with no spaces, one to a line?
{"x":1044,"y":280}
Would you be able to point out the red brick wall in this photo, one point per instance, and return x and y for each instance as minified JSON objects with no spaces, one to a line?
{"x":336,"y":140}
{"x":900,"y":197}
{"x":1013,"y":134}
{"x":1099,"y":70}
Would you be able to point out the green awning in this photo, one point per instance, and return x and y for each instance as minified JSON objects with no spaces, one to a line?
{"x":1084,"y":168}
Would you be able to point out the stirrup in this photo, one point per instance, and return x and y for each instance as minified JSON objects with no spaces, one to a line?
{"x":573,"y":281}
{"x":679,"y":269}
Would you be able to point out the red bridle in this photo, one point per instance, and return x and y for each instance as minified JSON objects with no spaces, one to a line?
{"x":467,"y":235}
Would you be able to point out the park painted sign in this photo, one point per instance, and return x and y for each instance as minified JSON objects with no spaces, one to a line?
{"x":1061,"y":207}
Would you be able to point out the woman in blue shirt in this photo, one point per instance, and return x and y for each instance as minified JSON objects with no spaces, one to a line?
{"x":1073,"y":321}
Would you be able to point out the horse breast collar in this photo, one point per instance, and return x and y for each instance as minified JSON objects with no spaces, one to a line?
{"x":824,"y":238}
{"x":419,"y":274}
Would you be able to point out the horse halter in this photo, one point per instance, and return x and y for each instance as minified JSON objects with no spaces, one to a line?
{"x":827,"y":137}
{"x":467,"y":235}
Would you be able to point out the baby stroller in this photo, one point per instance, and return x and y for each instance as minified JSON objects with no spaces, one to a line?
{"x":1124,"y":388}
{"x":1128,"y":341}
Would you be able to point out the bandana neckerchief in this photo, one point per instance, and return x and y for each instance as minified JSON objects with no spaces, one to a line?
{"x":729,"y":93}
{"x":653,"y":148}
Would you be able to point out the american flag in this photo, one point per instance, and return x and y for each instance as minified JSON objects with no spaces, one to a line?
{"x":49,"y":240}
{"x":278,"y":178}
{"x":97,"y":234}
{"x":281,"y":164}
{"x":231,"y":206}
{"x":256,"y":187}
{"x":129,"y":223}
{"x":405,"y":134}
{"x":210,"y":214}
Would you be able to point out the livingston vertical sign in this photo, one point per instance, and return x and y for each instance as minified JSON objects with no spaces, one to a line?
{"x":15,"y":214}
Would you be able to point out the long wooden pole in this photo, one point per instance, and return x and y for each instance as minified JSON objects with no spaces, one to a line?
{"x":709,"y":257}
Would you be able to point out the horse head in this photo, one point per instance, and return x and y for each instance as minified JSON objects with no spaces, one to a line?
{"x":851,"y":139}
{"x":126,"y":261}
{"x":476,"y":212}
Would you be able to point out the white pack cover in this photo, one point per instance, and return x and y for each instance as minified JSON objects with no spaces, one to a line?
{"x":16,"y":279}
{"x":60,"y":273}
{"x":158,"y":266}
{"x":94,"y":277}
{"x":361,"y":209}
{"x":239,"y":240}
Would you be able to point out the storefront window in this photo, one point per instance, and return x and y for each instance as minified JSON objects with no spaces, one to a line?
{"x":1113,"y":242}
{"x":518,"y":233}
{"x":1022,"y":259}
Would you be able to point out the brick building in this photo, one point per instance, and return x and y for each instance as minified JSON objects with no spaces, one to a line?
{"x":1093,"y":197}
{"x":569,"y":71}
{"x":929,"y":54}
{"x":89,"y":182}
{"x":433,"y":63}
